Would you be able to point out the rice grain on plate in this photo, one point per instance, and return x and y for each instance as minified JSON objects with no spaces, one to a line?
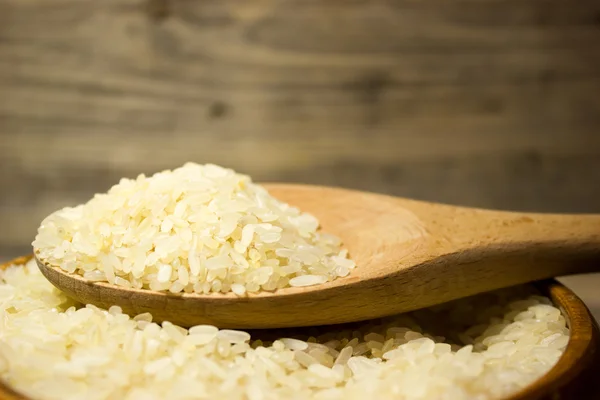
{"x":198,"y":228}
{"x":479,"y":348}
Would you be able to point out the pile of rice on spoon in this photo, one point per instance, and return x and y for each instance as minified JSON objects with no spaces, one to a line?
{"x":195,"y":229}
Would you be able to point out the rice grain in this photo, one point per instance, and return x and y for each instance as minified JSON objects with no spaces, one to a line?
{"x":198,"y":223}
{"x":53,"y":348}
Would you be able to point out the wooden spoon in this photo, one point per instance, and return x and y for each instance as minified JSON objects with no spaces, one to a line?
{"x":409,"y":254}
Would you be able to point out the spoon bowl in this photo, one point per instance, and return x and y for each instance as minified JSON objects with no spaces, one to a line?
{"x":409,"y":254}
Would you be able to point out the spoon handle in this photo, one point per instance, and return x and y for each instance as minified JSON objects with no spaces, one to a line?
{"x":527,"y":247}
{"x":569,"y":235}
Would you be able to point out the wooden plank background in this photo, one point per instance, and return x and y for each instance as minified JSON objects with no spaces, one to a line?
{"x":492,"y":103}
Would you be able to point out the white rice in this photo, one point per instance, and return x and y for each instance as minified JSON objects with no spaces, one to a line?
{"x":198,"y":228}
{"x":492,"y":345}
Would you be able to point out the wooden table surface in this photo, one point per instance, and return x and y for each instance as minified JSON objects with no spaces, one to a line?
{"x":485,"y":103}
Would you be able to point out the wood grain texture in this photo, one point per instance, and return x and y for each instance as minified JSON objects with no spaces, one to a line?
{"x":487,"y":103}
{"x":574,"y":377}
{"x":409,"y":255}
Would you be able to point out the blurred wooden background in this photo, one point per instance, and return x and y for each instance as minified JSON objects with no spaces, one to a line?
{"x":492,"y":103}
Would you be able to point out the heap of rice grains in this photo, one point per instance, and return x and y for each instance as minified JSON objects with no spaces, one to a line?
{"x":198,"y":228}
{"x":207,"y":229}
{"x":492,"y":345}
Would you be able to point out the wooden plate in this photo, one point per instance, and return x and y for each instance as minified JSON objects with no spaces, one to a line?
{"x":574,"y":377}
